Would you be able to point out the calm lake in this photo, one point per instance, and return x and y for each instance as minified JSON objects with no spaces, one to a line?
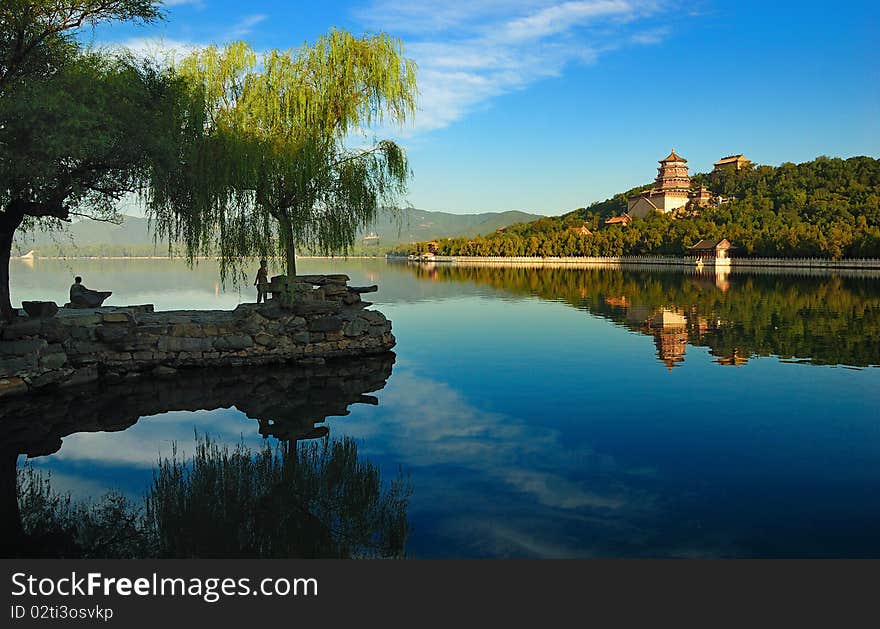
{"x":547,"y":412}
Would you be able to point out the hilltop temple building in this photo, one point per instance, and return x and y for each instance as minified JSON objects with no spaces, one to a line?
{"x":732,"y":162}
{"x":671,"y":191}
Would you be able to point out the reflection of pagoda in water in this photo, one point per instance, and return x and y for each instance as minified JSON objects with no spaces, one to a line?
{"x":673,"y":327}
{"x":669,"y":328}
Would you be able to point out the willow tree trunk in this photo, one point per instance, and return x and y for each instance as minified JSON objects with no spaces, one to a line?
{"x":10,"y":220}
{"x":286,"y":235}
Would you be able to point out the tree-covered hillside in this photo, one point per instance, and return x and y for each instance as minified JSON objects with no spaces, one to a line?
{"x":828,"y":208}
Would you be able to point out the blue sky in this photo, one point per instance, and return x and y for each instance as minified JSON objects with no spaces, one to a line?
{"x":548,"y":105}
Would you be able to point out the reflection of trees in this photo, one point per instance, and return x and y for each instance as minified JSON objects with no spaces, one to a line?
{"x":821,"y":319}
{"x":318,"y":499}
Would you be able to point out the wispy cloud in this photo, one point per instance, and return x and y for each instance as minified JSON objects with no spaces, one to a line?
{"x":650,"y":37}
{"x":470,"y":53}
{"x":246,"y":25}
{"x":159,"y":48}
{"x":164,"y":49}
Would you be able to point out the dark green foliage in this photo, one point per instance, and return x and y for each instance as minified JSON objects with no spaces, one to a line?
{"x":38,"y":36}
{"x":76,"y":129}
{"x":56,"y":526}
{"x":87,"y":135}
{"x":827,"y":208}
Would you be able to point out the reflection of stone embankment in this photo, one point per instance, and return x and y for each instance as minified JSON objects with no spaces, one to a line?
{"x":327,"y":319}
{"x":289,"y":402}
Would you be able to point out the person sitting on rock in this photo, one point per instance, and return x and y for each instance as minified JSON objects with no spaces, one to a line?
{"x":82,"y":297}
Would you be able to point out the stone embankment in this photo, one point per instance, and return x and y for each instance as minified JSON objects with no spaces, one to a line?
{"x":327,"y":319}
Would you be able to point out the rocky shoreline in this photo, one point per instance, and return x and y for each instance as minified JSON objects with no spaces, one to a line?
{"x":327,"y":319}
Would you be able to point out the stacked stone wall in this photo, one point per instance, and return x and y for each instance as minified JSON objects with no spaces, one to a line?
{"x":77,"y":346}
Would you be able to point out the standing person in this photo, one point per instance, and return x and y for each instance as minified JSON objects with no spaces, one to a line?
{"x":262,"y":281}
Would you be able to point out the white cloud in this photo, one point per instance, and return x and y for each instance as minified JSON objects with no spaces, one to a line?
{"x":560,"y":18}
{"x":492,"y":446}
{"x":470,"y":53}
{"x":163,"y":49}
{"x":246,"y":25}
{"x":432,"y":17}
{"x":649,"y":38}
{"x":158,"y":48}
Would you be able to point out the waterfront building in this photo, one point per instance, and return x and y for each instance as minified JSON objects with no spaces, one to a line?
{"x":736,"y":359}
{"x":719,"y":249}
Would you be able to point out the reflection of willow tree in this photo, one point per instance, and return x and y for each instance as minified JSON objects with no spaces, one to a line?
{"x":318,"y":500}
{"x":828,"y":320}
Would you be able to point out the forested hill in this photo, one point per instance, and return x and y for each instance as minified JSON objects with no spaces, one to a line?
{"x":829,"y":207}
{"x":132,"y":237}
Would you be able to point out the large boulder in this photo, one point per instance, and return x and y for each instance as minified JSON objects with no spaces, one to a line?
{"x":40,"y":309}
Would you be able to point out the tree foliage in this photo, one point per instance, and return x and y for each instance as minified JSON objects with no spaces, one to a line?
{"x":37,"y":36}
{"x":272,"y":169}
{"x":76,"y":128}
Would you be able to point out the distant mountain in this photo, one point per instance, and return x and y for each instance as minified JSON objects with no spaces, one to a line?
{"x":133,"y":237}
{"x":133,"y":232}
{"x":414,"y":225}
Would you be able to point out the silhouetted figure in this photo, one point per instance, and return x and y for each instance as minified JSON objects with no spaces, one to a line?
{"x":10,"y":519}
{"x":262,"y":281}
{"x":82,"y":297}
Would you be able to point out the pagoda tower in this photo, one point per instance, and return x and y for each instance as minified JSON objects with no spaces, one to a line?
{"x":672,"y":188}
{"x":672,"y":175}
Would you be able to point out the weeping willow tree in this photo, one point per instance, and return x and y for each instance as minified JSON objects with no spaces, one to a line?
{"x":269,"y":166}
